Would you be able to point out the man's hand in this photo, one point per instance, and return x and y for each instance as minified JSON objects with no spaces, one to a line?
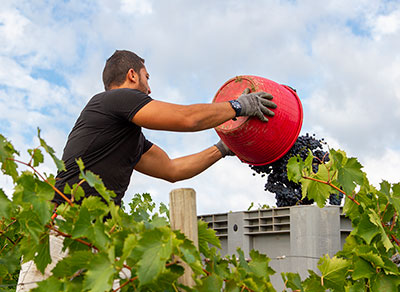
{"x":256,"y":104}
{"x":225,"y":151}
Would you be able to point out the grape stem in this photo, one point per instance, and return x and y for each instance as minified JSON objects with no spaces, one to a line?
{"x":73,"y":193}
{"x":384,"y":211}
{"x":333,"y":186}
{"x":69,"y":236}
{"x":126,"y":283}
{"x":395,"y":239}
{"x":45,"y":180}
{"x":246,"y":288}
{"x":3,"y":248}
{"x":393,"y":221}
{"x":33,"y":154}
{"x":324,"y":164}
{"x":5,"y":229}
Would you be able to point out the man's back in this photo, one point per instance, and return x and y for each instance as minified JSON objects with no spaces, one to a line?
{"x":107,"y":141}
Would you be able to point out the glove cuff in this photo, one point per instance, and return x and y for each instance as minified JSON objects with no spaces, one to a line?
{"x":223,"y":149}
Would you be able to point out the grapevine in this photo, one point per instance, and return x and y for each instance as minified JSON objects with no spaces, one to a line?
{"x":104,"y":239}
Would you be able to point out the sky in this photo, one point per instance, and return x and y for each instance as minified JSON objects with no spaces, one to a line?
{"x":343,"y":58}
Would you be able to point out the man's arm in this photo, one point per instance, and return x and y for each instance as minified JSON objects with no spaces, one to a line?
{"x":158,"y":115}
{"x":156,"y":163}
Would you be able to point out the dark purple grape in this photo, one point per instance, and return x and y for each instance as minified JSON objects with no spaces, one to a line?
{"x":288,"y":193}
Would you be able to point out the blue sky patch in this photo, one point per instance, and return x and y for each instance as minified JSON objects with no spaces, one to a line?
{"x":52,"y":76}
{"x":359,"y":27}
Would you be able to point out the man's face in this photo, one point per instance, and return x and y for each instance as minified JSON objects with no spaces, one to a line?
{"x":143,"y":81}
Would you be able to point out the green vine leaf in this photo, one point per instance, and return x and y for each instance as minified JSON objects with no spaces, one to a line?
{"x":370,"y":254}
{"x":259,"y":265}
{"x":191,"y":256}
{"x":78,"y":192}
{"x":350,"y":174}
{"x":83,"y":226}
{"x":376,"y":220}
{"x":94,"y":181}
{"x":351,"y":210}
{"x":50,"y":284}
{"x":395,"y":197}
{"x":59,"y":163}
{"x":211,"y":283}
{"x":7,"y":152}
{"x":313,"y":283}
{"x":339,"y":157}
{"x":385,"y":283}
{"x":292,"y":281}
{"x":355,"y":287}
{"x":366,"y":229}
{"x":333,"y":272}
{"x":100,"y":238}
{"x":42,"y":259}
{"x":5,"y":205}
{"x":206,"y":236}
{"x":317,"y":191}
{"x":295,"y":166}
{"x":72,"y":263}
{"x":390,"y":267}
{"x":362,"y":269}
{"x":154,"y":249}
{"x":129,"y":244}
{"x":99,"y":277}
{"x":9,"y":262}
{"x":37,"y":156}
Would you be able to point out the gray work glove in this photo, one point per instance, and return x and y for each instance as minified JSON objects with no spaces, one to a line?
{"x":225,"y":151}
{"x":256,"y":104}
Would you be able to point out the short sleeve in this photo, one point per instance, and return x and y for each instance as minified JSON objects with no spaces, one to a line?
{"x":125,"y":103}
{"x":147,"y":145}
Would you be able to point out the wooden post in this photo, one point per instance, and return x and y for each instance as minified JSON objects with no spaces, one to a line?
{"x":183,"y":217}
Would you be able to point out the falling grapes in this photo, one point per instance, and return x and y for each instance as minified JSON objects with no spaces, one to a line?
{"x":288,"y":193}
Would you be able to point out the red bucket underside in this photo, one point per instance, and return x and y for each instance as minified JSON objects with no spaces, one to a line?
{"x":253,"y":141}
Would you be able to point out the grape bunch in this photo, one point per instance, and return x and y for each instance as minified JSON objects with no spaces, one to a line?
{"x":288,"y":193}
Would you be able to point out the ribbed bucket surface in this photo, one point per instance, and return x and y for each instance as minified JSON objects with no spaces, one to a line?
{"x":253,"y":141}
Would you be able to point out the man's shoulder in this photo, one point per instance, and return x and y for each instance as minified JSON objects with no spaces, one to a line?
{"x":122,"y":91}
{"x":121,"y":102}
{"x":116,"y":95}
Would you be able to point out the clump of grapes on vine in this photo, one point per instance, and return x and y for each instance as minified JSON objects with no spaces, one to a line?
{"x":288,"y":193}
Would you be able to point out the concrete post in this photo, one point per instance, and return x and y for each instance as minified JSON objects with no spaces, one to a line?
{"x":314,"y":232}
{"x":236,"y":234}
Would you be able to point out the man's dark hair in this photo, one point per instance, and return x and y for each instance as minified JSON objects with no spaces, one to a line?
{"x":118,"y":65}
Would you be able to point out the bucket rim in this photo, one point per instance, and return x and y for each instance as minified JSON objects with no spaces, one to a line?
{"x":237,"y":78}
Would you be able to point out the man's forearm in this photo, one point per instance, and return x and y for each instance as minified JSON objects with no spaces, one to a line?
{"x":206,"y":116}
{"x":191,"y":165}
{"x":159,"y":115}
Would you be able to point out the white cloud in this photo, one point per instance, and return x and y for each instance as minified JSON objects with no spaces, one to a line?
{"x":383,"y":167}
{"x":12,"y":28}
{"x":387,"y":24}
{"x":136,"y":6}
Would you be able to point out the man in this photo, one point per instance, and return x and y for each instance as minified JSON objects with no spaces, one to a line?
{"x":107,"y":136}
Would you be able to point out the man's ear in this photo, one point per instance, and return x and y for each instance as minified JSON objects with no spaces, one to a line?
{"x":132,"y":76}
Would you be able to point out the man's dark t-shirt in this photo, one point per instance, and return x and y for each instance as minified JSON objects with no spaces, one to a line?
{"x":108,"y":142}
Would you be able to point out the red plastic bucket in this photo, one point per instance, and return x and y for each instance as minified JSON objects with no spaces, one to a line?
{"x":253,"y":141}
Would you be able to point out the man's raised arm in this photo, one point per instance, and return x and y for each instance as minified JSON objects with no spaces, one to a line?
{"x":160,"y":115}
